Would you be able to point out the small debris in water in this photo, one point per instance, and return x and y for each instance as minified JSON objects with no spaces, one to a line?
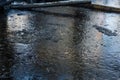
{"x":105,"y":31}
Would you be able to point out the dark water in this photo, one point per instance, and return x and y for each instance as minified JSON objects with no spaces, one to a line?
{"x":59,"y":44}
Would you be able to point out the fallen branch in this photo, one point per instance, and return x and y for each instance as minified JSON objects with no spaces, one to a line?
{"x":85,"y":4}
{"x":49,"y":4}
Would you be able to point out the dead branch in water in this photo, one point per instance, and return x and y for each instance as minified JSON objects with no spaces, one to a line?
{"x":49,"y":4}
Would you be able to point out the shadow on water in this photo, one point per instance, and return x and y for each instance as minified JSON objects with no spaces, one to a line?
{"x":78,"y":35}
{"x":6,"y":51}
{"x":61,"y":59}
{"x":58,"y":14}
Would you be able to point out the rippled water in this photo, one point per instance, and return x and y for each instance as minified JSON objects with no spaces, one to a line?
{"x":59,"y":44}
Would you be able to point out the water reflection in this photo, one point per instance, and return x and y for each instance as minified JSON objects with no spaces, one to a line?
{"x":114,"y":3}
{"x":104,"y":47}
{"x":39,"y":46}
{"x":21,"y":34}
{"x":51,"y":53}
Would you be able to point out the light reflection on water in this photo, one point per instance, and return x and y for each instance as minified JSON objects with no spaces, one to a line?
{"x":51,"y":47}
{"x":18,"y":21}
{"x":113,"y":3}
